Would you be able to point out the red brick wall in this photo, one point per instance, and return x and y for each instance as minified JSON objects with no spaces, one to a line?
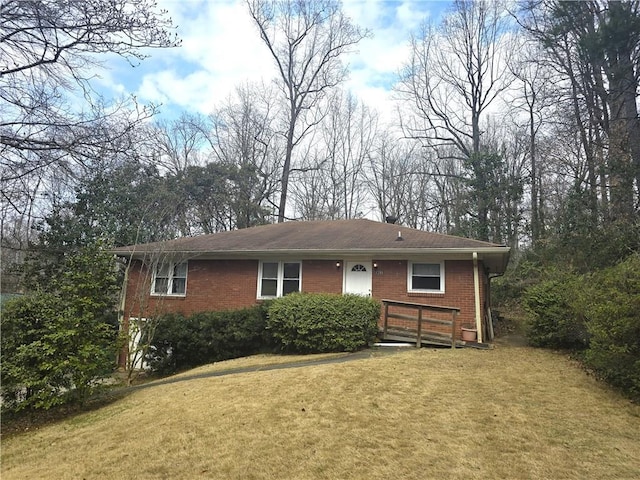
{"x":220,"y":285}
{"x":230,"y":284}
{"x":321,"y":276}
{"x":211,"y":285}
{"x":390,"y":282}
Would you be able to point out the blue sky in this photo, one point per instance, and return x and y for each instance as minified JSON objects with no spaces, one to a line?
{"x":221,"y":49}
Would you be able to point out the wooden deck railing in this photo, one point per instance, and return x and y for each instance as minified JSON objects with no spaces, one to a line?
{"x":422,"y":322}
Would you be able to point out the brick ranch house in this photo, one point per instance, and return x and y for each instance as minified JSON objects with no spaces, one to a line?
{"x":236,"y":269}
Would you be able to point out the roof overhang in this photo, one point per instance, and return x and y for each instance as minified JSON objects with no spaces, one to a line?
{"x":494,"y":259}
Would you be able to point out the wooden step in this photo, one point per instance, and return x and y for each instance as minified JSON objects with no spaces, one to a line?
{"x":430,"y":338}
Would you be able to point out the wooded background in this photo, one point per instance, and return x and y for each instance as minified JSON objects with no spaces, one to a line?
{"x":517,"y":123}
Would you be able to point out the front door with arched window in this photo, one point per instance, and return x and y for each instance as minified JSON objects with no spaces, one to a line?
{"x":357,"y":278}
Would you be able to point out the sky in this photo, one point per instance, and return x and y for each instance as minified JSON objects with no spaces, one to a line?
{"x":221,"y":49}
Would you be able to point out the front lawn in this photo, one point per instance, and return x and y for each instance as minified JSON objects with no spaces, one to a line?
{"x":510,"y":413}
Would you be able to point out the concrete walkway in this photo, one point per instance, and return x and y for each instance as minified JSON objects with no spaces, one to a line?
{"x":347,"y":357}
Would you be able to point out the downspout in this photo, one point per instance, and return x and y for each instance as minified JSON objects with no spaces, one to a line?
{"x":476,"y":294}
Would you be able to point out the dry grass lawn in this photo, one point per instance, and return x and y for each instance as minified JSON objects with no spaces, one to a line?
{"x":508,"y":413}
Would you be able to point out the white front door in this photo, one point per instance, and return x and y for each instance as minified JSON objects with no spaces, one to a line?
{"x":357,"y":278}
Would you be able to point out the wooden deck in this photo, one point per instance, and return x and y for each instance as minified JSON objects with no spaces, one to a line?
{"x":408,"y":322}
{"x":411,"y":336}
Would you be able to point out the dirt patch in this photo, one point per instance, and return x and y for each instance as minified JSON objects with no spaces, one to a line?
{"x":509,"y":328}
{"x":511,"y":340}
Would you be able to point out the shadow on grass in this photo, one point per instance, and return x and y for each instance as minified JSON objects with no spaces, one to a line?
{"x":367,"y":353}
{"x":13,"y":423}
{"x":24,"y":421}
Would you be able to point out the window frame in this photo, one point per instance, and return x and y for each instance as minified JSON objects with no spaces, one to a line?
{"x":410,"y":275}
{"x":170,"y":279}
{"x":280,"y":278}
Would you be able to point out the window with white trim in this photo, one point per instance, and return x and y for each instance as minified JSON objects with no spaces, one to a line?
{"x":426,"y":277}
{"x":279,"y":278}
{"x":169,"y":278}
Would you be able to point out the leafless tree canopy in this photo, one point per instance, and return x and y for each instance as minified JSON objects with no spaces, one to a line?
{"x":52,"y":124}
{"x":517,"y":121}
{"x":307,"y":40}
{"x":48,"y":52}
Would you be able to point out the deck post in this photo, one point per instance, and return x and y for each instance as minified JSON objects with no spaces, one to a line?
{"x":476,"y":294}
{"x":419,"y":336}
{"x":454,"y":314}
{"x":386,"y":319}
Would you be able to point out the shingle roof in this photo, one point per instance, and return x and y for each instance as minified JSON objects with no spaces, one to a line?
{"x":316,"y":237}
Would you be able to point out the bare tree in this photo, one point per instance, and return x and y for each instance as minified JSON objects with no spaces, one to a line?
{"x":391,"y":167}
{"x":442,"y":168}
{"x":533,"y":102}
{"x":312,"y":192}
{"x":307,"y":39}
{"x":455,"y":73}
{"x":48,"y":52}
{"x":349,"y":133}
{"x":51,"y":121}
{"x":180,"y":143}
{"x":337,"y":171}
{"x":244,"y":135}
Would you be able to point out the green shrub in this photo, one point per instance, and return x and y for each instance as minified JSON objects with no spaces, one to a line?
{"x":181,"y":342}
{"x":52,"y":352}
{"x":555,"y":319}
{"x":598,"y":313}
{"x":172,"y":332}
{"x":57,"y":343}
{"x":315,"y":323}
{"x":612,"y":305}
{"x":521,"y":274}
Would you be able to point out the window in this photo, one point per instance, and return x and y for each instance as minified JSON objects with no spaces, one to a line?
{"x":426,"y":277}
{"x":278,"y":279}
{"x":170,"y":279}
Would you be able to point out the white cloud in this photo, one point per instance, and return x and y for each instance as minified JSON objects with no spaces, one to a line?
{"x":105,"y":79}
{"x":221,"y":49}
{"x":191,"y":92}
{"x":221,"y":39}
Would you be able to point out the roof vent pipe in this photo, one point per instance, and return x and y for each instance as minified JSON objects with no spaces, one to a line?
{"x":391,"y":219}
{"x":399,"y":239}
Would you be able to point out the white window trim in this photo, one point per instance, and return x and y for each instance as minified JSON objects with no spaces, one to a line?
{"x":170,"y":283}
{"x":280,"y":278}
{"x":410,"y":271}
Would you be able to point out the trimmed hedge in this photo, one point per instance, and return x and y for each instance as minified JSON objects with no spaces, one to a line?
{"x":181,"y":342}
{"x":318,"y":323}
{"x":296,"y":323}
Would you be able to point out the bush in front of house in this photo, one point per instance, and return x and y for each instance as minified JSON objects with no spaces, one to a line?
{"x":318,"y":323}
{"x":53,"y":352}
{"x":181,"y":342}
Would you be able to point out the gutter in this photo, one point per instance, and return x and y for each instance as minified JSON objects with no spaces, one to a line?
{"x":328,"y":252}
{"x":500,"y":255}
